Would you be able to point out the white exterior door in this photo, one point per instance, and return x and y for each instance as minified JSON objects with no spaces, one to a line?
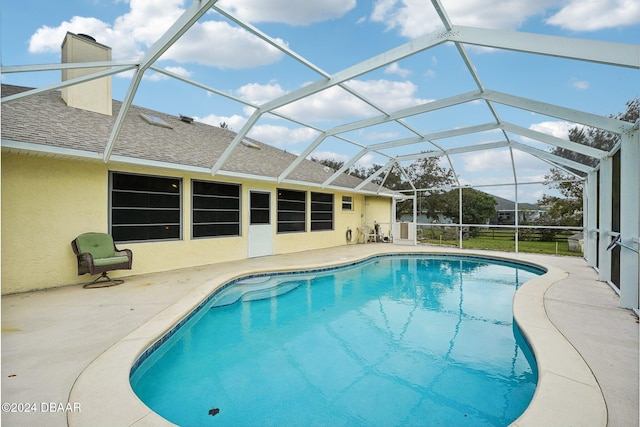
{"x":260,"y":239}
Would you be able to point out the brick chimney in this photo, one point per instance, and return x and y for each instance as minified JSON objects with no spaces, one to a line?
{"x":94,"y":95}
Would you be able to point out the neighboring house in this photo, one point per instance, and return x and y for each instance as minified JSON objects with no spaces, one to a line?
{"x":506,"y":213}
{"x":156,"y":194}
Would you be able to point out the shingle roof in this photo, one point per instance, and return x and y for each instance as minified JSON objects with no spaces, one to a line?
{"x":45,"y":119}
{"x":509,"y":205}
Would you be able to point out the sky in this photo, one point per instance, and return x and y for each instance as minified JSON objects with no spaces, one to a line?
{"x":334,"y":35}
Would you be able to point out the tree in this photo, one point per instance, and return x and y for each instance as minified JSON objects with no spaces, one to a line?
{"x":428,"y":174}
{"x":332,"y":163}
{"x":567,"y":210}
{"x":477,"y":207}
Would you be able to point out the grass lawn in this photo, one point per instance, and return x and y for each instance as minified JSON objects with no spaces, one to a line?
{"x":506,"y":242}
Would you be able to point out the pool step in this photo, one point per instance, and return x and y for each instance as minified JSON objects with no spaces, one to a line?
{"x":258,"y":288}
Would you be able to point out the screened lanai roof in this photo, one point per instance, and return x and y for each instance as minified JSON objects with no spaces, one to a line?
{"x":490,"y":102}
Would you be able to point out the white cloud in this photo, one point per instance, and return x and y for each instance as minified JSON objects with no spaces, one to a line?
{"x":365,"y":161}
{"x":336,"y":104}
{"x":151,"y":77}
{"x":580,"y":84}
{"x":257,"y":93}
{"x":147,"y":20}
{"x":234,"y":122}
{"x":413,"y":19}
{"x":389,"y":94}
{"x":377,"y":136}
{"x":154,"y":77}
{"x":592,"y":15}
{"x":133,"y":33}
{"x":482,"y":161}
{"x":179,"y":71}
{"x":196,"y":46}
{"x":278,"y":136}
{"x":333,"y":104}
{"x":557,"y":129}
{"x":500,"y":159}
{"x":293,"y":12}
{"x":281,"y":136}
{"x":394,"y":68}
{"x":48,"y":39}
{"x":129,"y":35}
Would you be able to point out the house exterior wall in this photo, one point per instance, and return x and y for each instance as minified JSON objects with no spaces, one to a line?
{"x":378,"y":210}
{"x":47,"y":202}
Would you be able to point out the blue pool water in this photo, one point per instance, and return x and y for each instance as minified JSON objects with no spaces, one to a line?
{"x":394,"y":340}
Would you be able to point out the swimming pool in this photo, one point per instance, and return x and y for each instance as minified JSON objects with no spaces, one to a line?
{"x":420,"y":339}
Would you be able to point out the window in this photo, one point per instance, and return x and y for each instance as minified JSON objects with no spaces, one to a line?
{"x":321,"y":211}
{"x":216,"y":209}
{"x":145,"y":207}
{"x":347,"y":203}
{"x":292,"y":211}
{"x":259,"y":211}
{"x":155,"y":120}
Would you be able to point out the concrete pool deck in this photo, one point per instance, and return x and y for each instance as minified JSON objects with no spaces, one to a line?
{"x":67,"y":352}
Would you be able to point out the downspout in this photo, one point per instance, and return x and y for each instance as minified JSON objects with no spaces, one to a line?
{"x":415,"y":216}
{"x":460,"y":215}
{"x":517,"y":222}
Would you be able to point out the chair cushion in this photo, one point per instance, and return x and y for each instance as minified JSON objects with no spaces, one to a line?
{"x":99,"y":262}
{"x":99,"y":245}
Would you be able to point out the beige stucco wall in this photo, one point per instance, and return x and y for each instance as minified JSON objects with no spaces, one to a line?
{"x":377,"y":209}
{"x":47,"y":202}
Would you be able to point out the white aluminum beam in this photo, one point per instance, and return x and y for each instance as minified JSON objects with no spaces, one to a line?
{"x":64,"y":66}
{"x":289,"y":98}
{"x":238,"y":138}
{"x":286,"y":50}
{"x":396,"y":54}
{"x":435,"y":136}
{"x":589,"y":119}
{"x":458,"y":150}
{"x":552,"y":140}
{"x":605,"y":218}
{"x":619,"y":54}
{"x":67,"y":83}
{"x":408,"y":141}
{"x":629,"y":219}
{"x":294,"y":164}
{"x":552,"y":157}
{"x":411,"y":111}
{"x":360,"y":124}
{"x":261,"y":35}
{"x":377,"y":173}
{"x":231,"y":97}
{"x":345,"y":167}
{"x":590,"y":214}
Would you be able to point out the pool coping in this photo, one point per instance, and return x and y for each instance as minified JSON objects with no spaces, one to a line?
{"x":567,"y":391}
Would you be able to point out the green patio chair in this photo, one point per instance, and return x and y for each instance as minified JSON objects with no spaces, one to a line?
{"x":97,"y":254}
